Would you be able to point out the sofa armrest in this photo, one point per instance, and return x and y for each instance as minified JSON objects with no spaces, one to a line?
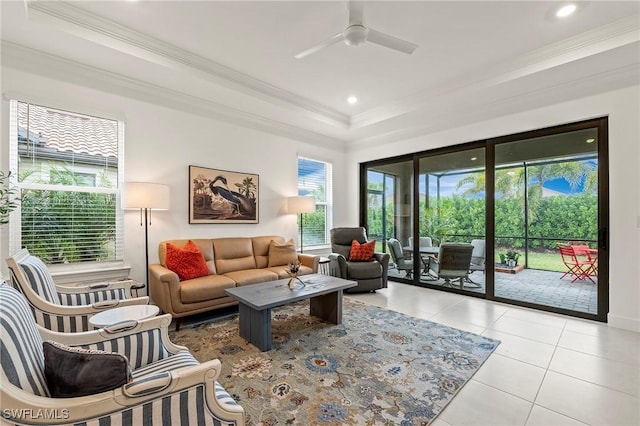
{"x":310,"y":260}
{"x":164,"y":286}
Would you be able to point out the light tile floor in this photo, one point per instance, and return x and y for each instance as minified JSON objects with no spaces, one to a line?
{"x":548,"y":370}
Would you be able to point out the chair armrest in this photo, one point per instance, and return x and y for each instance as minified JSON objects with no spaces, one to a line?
{"x":64,"y":310}
{"x":133,"y":395}
{"x":382,"y":258}
{"x":126,"y":284}
{"x":337,"y":265}
{"x":310,"y":260}
{"x":119,"y":330}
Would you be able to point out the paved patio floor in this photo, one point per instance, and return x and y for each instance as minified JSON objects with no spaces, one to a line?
{"x":534,"y":286}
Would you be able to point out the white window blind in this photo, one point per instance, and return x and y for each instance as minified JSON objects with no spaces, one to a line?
{"x":315,"y":178}
{"x":68,"y":174}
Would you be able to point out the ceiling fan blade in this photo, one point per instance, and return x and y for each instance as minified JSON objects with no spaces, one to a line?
{"x":356,"y":13}
{"x":390,"y":41}
{"x":333,"y":40}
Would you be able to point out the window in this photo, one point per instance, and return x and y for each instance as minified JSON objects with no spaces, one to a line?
{"x":68,"y":175}
{"x":315,"y":178}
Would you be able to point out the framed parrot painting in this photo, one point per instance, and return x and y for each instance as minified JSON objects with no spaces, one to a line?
{"x":222,"y":196}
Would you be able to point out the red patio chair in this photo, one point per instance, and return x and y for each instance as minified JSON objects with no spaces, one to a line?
{"x":578,"y":268}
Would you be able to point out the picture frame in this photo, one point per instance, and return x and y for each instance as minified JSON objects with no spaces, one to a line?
{"x":223,"y":196}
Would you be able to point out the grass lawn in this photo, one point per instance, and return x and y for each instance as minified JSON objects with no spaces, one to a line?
{"x":548,"y":261}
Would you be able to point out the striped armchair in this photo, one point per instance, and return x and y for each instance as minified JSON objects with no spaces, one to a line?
{"x":169,"y":385}
{"x":66,"y":309}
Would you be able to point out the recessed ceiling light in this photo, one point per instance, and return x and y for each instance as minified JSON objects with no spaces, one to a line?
{"x":590,"y":140}
{"x":474,"y":158}
{"x":566,"y":10}
{"x":352,"y":100}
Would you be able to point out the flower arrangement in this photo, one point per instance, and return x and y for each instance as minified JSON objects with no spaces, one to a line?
{"x":293,"y":269}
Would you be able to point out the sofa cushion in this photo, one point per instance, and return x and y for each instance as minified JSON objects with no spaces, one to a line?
{"x":233,"y":254}
{"x":261,"y":248}
{"x":251,"y":276}
{"x":282,"y":254}
{"x":204,"y":288}
{"x":362,"y":252}
{"x":187,"y":262}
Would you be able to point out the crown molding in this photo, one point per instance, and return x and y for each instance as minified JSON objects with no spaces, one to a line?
{"x":467,"y":113}
{"x":95,"y":28}
{"x":592,"y":42}
{"x":59,"y":68}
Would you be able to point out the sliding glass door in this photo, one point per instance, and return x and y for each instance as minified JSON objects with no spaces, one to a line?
{"x":546,"y":220}
{"x":532,"y":206}
{"x":389,"y":218}
{"x":452,"y":199}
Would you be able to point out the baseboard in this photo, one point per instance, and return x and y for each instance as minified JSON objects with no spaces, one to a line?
{"x":617,"y":321}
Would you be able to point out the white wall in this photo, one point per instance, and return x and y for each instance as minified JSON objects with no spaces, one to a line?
{"x":160,"y":145}
{"x":623,"y":109}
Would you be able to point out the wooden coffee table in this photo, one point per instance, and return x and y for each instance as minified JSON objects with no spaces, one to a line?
{"x":256,"y":300}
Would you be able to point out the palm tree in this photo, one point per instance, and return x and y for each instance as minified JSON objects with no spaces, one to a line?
{"x":510,"y":182}
{"x":7,"y":197}
{"x":247,"y":187}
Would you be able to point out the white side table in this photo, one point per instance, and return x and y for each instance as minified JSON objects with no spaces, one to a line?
{"x":124,"y":313}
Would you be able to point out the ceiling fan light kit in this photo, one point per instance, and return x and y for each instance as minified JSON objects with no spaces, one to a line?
{"x":357,"y":33}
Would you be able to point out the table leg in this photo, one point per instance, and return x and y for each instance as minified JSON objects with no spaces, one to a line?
{"x":327,"y":307}
{"x":255,"y":326}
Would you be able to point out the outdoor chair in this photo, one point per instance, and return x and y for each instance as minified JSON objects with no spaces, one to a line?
{"x":580,"y":268}
{"x":452,"y":263}
{"x":370,"y":275}
{"x":66,"y":308}
{"x":398,"y":257}
{"x":168,"y":385}
{"x":423,"y":242}
{"x":478,"y":259}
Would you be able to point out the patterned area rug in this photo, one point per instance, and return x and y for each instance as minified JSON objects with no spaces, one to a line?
{"x":379,"y":367}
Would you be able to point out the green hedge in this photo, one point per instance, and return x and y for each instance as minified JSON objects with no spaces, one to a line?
{"x":563,"y":217}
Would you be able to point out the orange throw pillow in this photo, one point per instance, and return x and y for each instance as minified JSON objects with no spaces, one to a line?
{"x":187,"y":262}
{"x":362,"y":252}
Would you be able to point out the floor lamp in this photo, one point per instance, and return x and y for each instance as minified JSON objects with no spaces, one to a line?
{"x":301,"y":205}
{"x":146,"y":197}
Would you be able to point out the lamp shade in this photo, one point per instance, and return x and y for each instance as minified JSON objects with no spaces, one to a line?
{"x":301,"y":204}
{"x":145,"y":195}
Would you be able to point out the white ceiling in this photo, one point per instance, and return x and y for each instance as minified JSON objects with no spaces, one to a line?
{"x":234,"y":60}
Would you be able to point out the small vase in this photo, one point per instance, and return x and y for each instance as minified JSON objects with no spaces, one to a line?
{"x":292,"y":283}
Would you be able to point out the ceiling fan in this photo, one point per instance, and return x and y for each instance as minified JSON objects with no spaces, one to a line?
{"x":357,"y":33}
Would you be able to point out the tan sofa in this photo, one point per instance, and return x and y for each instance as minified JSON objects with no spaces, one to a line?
{"x":232,"y":262}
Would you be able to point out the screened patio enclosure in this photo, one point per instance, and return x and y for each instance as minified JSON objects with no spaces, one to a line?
{"x":520,"y":195}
